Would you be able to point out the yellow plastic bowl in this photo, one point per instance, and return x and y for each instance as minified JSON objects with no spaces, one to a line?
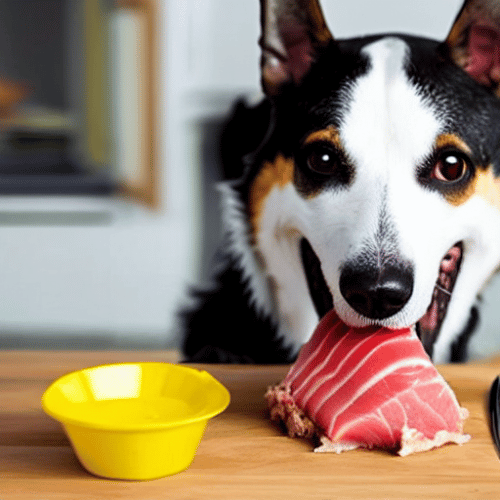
{"x":135,"y":421}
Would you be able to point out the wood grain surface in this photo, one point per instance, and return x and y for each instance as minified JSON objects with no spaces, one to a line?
{"x":242,"y":455}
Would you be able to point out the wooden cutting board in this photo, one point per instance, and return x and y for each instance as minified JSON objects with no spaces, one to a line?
{"x":242,"y":455}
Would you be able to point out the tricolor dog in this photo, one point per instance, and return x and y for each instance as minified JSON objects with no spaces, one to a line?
{"x":367,"y":180}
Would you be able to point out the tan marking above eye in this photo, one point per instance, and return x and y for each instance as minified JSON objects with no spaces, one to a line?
{"x":329,"y":134}
{"x":451,"y":141}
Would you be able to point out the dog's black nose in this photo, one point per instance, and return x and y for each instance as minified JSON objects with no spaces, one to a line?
{"x":377,"y":292}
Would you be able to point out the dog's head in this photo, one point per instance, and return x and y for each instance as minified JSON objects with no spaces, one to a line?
{"x":376,"y":189}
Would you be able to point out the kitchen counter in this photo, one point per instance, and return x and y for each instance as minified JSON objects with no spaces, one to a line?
{"x":242,"y":454}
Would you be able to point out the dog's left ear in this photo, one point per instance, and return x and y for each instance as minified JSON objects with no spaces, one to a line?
{"x":474,"y":41}
{"x":293,"y":33}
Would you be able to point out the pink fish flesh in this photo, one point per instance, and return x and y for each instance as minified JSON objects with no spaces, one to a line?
{"x":368,"y":388}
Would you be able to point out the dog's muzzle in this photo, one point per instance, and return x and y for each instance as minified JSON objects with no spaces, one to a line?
{"x":379,"y":292}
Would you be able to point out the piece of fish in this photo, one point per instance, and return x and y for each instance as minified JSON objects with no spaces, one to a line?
{"x":369,"y":388}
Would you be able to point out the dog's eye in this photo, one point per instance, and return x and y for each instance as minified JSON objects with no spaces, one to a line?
{"x":321,"y":159}
{"x":450,"y":167}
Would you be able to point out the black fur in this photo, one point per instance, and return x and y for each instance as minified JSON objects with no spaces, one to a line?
{"x":226,"y":328}
{"x":242,"y":134}
{"x":459,"y":352}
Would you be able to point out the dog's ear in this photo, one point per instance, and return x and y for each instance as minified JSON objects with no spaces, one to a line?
{"x":474,"y":41}
{"x":293,"y":33}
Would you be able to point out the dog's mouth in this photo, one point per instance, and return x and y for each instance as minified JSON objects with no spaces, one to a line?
{"x":318,"y":288}
{"x":428,"y":326}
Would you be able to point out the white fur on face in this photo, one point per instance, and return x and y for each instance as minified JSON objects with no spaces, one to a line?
{"x":387,"y":130}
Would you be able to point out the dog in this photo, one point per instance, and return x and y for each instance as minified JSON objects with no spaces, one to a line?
{"x":367,"y":180}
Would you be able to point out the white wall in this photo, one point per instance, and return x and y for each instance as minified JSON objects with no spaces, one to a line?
{"x":126,"y":278}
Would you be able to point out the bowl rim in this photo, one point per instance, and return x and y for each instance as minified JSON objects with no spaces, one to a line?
{"x":205,"y":414}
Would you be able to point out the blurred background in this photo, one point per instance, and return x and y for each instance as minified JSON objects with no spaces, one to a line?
{"x":110,"y":112}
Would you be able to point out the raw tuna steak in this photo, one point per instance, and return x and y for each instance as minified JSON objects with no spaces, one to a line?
{"x":369,"y":388}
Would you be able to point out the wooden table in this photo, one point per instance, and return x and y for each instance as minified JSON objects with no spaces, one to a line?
{"x":242,"y":455}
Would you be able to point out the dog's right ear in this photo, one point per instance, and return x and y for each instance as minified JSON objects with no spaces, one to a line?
{"x":293,"y":33}
{"x":474,"y":41}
